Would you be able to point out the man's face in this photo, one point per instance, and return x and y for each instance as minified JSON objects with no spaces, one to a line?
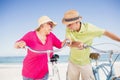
{"x":74,"y":26}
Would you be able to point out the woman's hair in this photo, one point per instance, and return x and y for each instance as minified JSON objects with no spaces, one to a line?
{"x":39,"y":27}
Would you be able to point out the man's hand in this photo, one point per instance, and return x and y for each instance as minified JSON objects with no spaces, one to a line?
{"x":77,"y":44}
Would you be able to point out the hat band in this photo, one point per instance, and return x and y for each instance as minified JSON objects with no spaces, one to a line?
{"x":72,"y":19}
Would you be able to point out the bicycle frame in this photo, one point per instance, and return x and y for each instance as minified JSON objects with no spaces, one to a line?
{"x":109,"y":73}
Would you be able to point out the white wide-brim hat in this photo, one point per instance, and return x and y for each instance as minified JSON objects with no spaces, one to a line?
{"x":45,"y":19}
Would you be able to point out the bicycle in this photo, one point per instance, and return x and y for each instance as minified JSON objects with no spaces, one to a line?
{"x":106,"y":68}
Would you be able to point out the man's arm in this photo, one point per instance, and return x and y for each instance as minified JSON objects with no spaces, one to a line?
{"x":77,"y":44}
{"x":112,"y":36}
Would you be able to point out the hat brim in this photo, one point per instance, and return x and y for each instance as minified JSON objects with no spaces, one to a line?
{"x":54,"y":24}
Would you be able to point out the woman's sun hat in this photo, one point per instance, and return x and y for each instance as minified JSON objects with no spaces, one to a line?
{"x":45,"y":19}
{"x":71,"y":16}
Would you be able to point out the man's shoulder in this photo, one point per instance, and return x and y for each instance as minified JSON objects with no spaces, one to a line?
{"x":89,"y":25}
{"x":86,"y":24}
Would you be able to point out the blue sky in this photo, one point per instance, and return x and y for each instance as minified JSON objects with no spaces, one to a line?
{"x":20,"y":16}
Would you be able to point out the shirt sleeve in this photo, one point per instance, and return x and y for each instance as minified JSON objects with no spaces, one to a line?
{"x":56,"y":42}
{"x":96,"y":31}
{"x":26,"y":38}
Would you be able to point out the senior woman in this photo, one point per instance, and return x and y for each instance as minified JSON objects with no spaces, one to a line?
{"x":35,"y":65}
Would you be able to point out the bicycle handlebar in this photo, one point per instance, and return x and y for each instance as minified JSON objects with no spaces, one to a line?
{"x":105,"y":51}
{"x":48,"y":51}
{"x":99,"y":50}
{"x":42,"y":51}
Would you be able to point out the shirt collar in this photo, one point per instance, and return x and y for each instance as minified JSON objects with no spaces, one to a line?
{"x":83,"y":29}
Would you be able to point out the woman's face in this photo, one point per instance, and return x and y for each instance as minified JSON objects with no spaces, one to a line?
{"x":47,"y":27}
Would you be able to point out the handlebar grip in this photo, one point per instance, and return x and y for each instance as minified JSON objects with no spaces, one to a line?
{"x":66,"y":42}
{"x":85,"y":46}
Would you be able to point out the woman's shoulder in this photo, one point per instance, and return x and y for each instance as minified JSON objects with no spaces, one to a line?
{"x":30,"y":32}
{"x":51,"y":34}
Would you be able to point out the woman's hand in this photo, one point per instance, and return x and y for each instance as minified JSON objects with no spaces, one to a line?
{"x":66,"y":42}
{"x":20,"y":44}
